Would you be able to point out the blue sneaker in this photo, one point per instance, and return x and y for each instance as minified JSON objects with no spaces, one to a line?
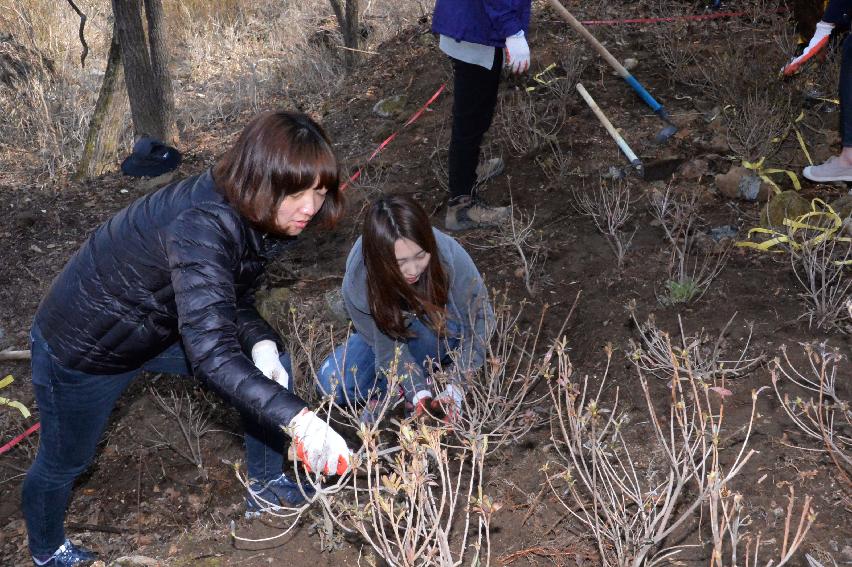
{"x":278,"y":493}
{"x":68,"y":555}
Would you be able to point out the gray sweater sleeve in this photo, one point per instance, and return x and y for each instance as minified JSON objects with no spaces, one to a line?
{"x":469,"y":305}
{"x":468,"y":308}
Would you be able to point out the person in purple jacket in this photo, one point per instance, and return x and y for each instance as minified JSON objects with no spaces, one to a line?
{"x":480,"y":37}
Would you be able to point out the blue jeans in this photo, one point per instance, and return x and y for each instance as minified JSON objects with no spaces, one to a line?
{"x":74,"y":408}
{"x":356,"y":361}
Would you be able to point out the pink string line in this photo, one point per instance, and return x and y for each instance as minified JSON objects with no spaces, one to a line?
{"x":354,"y":177}
{"x":8,"y":446}
{"x":671,"y":19}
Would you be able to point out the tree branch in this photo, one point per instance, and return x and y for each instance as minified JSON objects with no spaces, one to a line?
{"x":82,"y":37}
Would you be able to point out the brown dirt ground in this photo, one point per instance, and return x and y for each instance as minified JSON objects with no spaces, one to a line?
{"x":142,"y":499}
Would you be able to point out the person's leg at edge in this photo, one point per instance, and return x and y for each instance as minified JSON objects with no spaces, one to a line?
{"x":845,"y":89}
{"x":349,"y":373}
{"x":74,"y":409}
{"x":839,"y":168}
{"x":474,"y":102}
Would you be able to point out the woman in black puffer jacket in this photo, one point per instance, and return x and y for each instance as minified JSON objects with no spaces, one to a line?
{"x":167,"y":285}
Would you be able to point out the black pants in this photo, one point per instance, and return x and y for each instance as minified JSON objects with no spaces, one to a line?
{"x":846,"y":93}
{"x":474,"y":100}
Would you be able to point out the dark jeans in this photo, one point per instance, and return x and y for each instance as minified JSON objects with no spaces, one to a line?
{"x":845,"y":89}
{"x":350,"y":370}
{"x":74,"y":408}
{"x":474,"y":101}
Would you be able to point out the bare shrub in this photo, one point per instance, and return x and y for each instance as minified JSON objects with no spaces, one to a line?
{"x":702,"y":354}
{"x":759,"y":120}
{"x":691,"y":269}
{"x":633,"y":502}
{"x":821,"y":266}
{"x":556,"y":164}
{"x":518,"y":235}
{"x":417,"y":493}
{"x":190,"y":410}
{"x":526,"y":123}
{"x":608,"y":205}
{"x":826,"y":418}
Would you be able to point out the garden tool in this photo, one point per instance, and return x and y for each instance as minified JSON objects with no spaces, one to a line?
{"x":635,"y":162}
{"x":669,"y":129}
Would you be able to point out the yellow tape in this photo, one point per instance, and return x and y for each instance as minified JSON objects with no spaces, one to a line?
{"x":764,"y":174}
{"x":829,"y":231}
{"x":537,"y":77}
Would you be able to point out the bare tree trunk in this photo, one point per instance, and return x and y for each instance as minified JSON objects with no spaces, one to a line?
{"x":157,"y":33}
{"x":107,"y":121}
{"x":346,"y":12}
{"x":149,"y":86}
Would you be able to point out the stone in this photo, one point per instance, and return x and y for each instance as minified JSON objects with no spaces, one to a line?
{"x":694,"y":169}
{"x":742,"y":183}
{"x":273,"y":302}
{"x":843,"y":206}
{"x":784,"y":205}
{"x":391,"y":106}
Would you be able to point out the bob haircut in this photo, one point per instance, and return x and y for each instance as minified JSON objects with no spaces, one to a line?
{"x":279,"y":154}
{"x":389,"y":295}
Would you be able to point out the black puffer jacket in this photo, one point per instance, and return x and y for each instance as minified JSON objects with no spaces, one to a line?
{"x":178,"y":263}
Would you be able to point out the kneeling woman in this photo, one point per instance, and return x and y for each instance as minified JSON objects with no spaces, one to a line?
{"x":415,"y":298}
{"x":166,"y":286}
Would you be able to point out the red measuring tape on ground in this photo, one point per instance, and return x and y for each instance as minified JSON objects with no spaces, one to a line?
{"x":354,"y":177}
{"x":8,"y":446}
{"x":699,"y":17}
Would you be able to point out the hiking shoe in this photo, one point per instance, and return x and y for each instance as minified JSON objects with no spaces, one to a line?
{"x":68,"y":555}
{"x":488,"y":169}
{"x":469,"y":213}
{"x":831,"y":170}
{"x":275,"y":495}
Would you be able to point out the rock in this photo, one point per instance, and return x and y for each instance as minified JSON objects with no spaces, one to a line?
{"x":694,"y":169}
{"x":720,"y":233}
{"x":335,"y":305}
{"x":148,"y":184}
{"x":742,"y":183}
{"x":843,"y":206}
{"x":137,"y":560}
{"x":273,"y":302}
{"x":391,"y":106}
{"x":629,"y":64}
{"x":785,"y":205}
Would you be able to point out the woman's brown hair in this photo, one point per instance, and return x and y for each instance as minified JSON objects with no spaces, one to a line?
{"x":279,"y":154}
{"x":388,"y":220}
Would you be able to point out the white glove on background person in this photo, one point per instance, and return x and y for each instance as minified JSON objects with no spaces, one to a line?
{"x":817,"y":44}
{"x":318,"y":446}
{"x":265,"y":357}
{"x":517,"y":53}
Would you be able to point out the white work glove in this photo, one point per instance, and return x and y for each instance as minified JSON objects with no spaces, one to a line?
{"x":450,"y":402}
{"x":517,"y":53}
{"x":318,"y":446}
{"x":265,"y":357}
{"x":816,"y":46}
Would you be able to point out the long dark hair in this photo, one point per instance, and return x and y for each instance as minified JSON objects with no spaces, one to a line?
{"x":279,"y":154}
{"x":388,"y":220}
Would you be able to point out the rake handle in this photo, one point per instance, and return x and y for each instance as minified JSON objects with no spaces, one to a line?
{"x":608,"y":125}
{"x":613,"y":62}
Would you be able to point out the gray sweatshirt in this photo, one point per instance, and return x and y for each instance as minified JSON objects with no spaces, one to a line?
{"x":468,"y":309}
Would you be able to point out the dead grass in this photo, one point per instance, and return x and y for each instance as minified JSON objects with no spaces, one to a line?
{"x":229,"y":59}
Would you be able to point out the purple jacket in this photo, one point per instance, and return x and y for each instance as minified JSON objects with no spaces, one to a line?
{"x":487,"y":22}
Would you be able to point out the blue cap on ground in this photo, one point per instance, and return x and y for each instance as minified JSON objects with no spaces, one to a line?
{"x":150,"y":158}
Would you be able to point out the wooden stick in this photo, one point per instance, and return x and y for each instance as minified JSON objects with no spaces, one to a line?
{"x":15,"y":355}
